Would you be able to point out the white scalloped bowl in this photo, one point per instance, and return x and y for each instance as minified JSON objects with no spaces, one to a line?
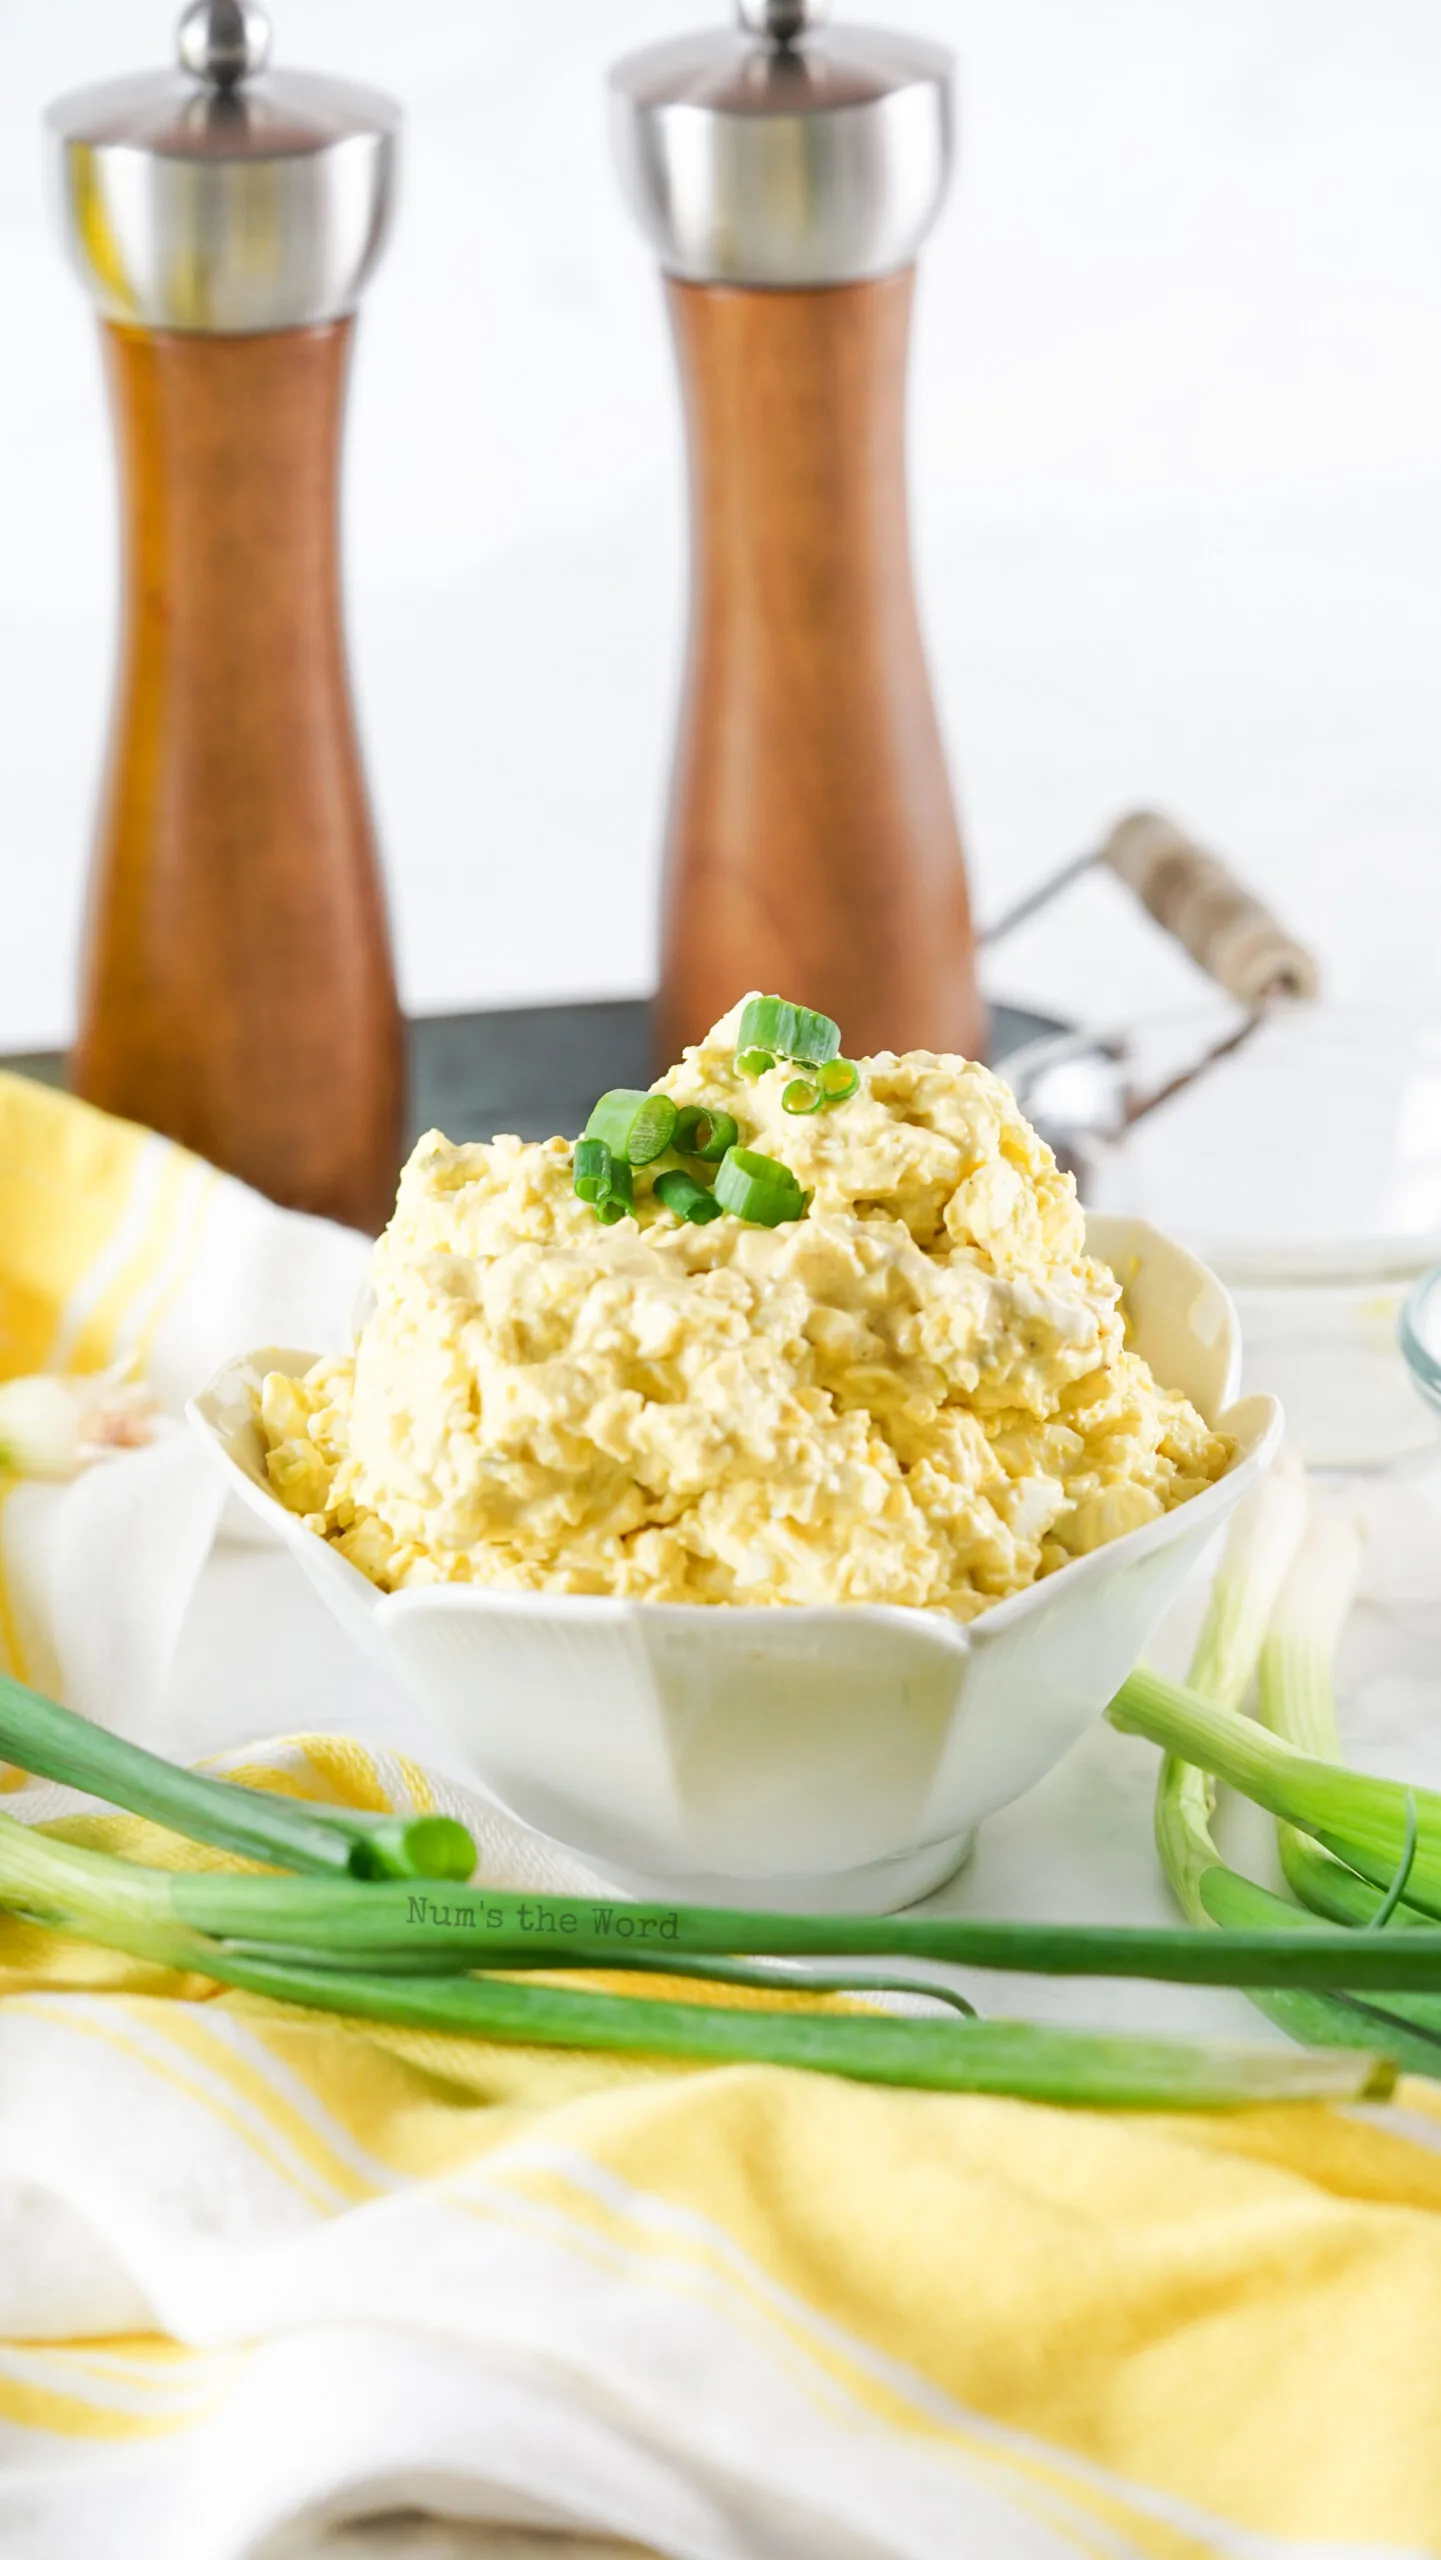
{"x":823,"y":1759}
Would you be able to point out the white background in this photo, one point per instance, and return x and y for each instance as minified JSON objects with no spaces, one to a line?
{"x":1177,"y":453}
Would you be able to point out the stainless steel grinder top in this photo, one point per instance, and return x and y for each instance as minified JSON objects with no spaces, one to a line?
{"x":223,"y":197}
{"x":784,"y":152}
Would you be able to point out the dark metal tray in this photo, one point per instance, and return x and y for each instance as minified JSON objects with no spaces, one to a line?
{"x":535,"y":1070}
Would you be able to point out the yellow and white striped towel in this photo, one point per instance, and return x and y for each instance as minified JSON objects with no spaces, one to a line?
{"x":116,"y":1246}
{"x":257,"y":2266}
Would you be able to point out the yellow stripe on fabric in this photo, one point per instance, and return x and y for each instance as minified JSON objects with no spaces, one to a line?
{"x":442,"y":2101}
{"x":1176,"y":2269}
{"x":141,"y":2357}
{"x":813,"y":2378}
{"x":196,"y":2035}
{"x":917,"y":2284}
{"x":143,"y":1324}
{"x":99,"y":1340}
{"x":44,"y":2390}
{"x":66,"y":1177}
{"x":13,"y":1657}
{"x":422,"y":1793}
{"x":27,"y":2404}
{"x":118,"y":2375}
{"x":344,"y":1772}
{"x":503,"y":2202}
{"x":1360,"y":2156}
{"x":126,"y":1237}
{"x":414,"y":2123}
{"x":1084,"y":2501}
{"x":330,"y":1769}
{"x":1086,"y":2513}
{"x":698,"y":2264}
{"x":347,"y":1770}
{"x":34,"y":1960}
{"x":299,"y":2177}
{"x":352,"y":2103}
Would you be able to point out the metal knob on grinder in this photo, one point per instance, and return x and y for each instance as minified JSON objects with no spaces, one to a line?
{"x":786,"y":173}
{"x":223,"y":42}
{"x":238,"y":990}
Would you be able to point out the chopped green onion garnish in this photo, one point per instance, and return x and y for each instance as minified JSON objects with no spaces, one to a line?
{"x":758,"y":1189}
{"x":706,"y":1134}
{"x":800,"y":1096}
{"x":788,"y":1031}
{"x":617,"y":1199}
{"x":685,"y":1198}
{"x":754,"y":1062}
{"x":637,"y":1127}
{"x":838,"y":1079}
{"x":592,"y":1169}
{"x":603,"y":1180}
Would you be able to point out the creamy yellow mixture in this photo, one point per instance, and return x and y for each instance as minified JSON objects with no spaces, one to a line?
{"x":919,"y":1392}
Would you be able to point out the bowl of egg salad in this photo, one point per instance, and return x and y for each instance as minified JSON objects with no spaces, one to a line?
{"x":770,"y":1484}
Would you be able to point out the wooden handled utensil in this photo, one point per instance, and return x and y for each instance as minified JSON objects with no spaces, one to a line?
{"x":1194,"y":896}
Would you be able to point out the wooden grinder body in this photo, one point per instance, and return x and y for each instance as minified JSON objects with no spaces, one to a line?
{"x":812,"y":846}
{"x":238,"y":990}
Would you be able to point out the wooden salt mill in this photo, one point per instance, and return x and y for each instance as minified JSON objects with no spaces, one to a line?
{"x":787,"y":175}
{"x":238,"y":990}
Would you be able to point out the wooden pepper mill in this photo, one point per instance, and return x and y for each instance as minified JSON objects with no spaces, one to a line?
{"x":238,"y":989}
{"x":787,"y":176}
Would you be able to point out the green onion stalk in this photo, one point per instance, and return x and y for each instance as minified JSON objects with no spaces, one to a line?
{"x":1365,"y":1821}
{"x":1299,"y":1595}
{"x":1297,"y":1695}
{"x":143,"y":1913}
{"x":51,"y":1742}
{"x":1266,"y":1531}
{"x":418,"y":1928}
{"x":1298,"y":1702}
{"x":338,"y":1934}
{"x":1263,"y":1537}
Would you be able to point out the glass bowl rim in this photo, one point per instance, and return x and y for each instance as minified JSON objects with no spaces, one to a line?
{"x":1423,"y":1363}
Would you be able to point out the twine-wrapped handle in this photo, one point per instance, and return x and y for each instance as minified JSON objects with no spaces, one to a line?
{"x":1192,"y":895}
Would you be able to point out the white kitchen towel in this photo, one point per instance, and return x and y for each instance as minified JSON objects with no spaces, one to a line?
{"x":119,"y":1250}
{"x":258,"y":2266}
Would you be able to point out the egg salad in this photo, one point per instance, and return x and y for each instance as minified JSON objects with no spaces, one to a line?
{"x":850,"y":1347}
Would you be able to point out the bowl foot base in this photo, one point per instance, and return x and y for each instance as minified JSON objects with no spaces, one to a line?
{"x":886,"y":1885}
